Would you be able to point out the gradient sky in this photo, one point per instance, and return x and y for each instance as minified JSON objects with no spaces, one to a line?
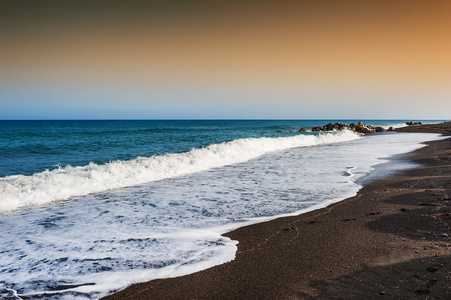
{"x":231,"y":59}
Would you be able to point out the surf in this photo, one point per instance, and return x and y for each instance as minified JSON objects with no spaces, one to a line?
{"x":63,"y":183}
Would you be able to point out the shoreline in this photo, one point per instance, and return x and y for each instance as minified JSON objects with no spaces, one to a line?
{"x":386,"y":240}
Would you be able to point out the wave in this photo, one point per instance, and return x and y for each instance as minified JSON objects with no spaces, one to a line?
{"x":403,"y":124}
{"x":63,"y":183}
{"x":394,"y":125}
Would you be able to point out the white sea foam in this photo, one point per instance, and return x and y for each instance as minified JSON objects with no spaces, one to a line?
{"x":102,"y":242}
{"x":394,"y":125}
{"x":63,"y":183}
{"x":399,"y":125}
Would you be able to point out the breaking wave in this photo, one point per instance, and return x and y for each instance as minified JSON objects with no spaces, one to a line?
{"x":62,"y":183}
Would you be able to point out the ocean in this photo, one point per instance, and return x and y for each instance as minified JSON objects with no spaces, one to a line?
{"x":90,"y":207}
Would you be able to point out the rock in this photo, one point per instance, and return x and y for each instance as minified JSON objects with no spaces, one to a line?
{"x":391,"y":129}
{"x":413,"y":123}
{"x":444,"y":235}
{"x":359,"y":128}
{"x":435,"y":268}
{"x":317,"y":128}
{"x":367,"y":129}
{"x":382,"y":293}
{"x":329,"y":127}
{"x":302,"y":130}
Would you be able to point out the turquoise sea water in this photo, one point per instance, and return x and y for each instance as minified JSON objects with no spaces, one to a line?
{"x":89,"y":207}
{"x":28,"y":147}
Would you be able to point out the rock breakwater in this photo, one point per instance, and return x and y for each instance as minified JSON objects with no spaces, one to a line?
{"x":358,"y":128}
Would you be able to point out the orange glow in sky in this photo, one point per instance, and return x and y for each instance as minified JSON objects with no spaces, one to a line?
{"x":302,"y":55}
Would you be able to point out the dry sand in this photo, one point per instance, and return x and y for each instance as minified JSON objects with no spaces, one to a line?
{"x":389,"y":241}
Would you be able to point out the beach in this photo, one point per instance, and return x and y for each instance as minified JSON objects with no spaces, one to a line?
{"x":225,"y":150}
{"x":390,"y":240}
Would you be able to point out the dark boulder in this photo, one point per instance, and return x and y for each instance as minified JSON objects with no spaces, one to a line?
{"x":413,"y":123}
{"x":339,"y":126}
{"x":357,"y":128}
{"x":367,"y":129}
{"x":329,"y":127}
{"x":317,"y":128}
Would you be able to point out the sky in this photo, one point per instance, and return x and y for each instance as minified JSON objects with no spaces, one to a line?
{"x":232,"y":59}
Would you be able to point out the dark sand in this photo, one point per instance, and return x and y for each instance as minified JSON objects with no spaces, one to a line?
{"x":386,"y":242}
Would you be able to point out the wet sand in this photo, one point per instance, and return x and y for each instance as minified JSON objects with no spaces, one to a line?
{"x":390,"y":240}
